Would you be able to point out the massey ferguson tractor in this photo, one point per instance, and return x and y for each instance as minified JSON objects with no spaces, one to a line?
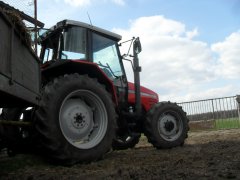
{"x":74,"y":103}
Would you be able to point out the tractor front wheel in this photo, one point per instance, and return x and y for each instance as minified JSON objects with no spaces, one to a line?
{"x":166,"y":125}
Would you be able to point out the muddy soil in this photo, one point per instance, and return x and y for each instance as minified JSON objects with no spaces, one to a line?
{"x":205,"y":155}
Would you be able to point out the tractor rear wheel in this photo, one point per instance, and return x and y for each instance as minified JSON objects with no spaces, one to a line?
{"x":166,"y":125}
{"x":77,"y":119}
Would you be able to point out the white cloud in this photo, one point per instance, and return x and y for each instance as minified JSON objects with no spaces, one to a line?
{"x":192,"y":34}
{"x":229,"y":56}
{"x":213,"y":92}
{"x":78,"y":3}
{"x":119,"y":2}
{"x":82,"y":3}
{"x":176,"y":66}
{"x":156,"y":26}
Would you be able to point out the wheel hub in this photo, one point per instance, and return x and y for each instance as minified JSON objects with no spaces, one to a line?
{"x":167,"y":126}
{"x":79,"y":120}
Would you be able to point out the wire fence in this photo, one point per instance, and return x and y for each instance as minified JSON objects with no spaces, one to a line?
{"x":27,"y":10}
{"x":26,"y":6}
{"x":220,"y":113}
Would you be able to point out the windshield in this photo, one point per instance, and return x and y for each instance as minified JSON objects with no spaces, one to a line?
{"x":105,"y":54}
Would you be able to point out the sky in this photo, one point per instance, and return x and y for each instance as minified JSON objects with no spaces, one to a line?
{"x":191,"y":49}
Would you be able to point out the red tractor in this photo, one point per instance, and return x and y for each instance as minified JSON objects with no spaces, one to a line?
{"x":86,"y":105}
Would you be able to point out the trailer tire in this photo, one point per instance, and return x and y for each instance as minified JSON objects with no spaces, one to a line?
{"x":166,"y":125}
{"x":17,"y":139}
{"x":76,"y":121}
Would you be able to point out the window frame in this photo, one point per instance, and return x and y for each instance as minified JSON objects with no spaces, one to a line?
{"x":60,"y":47}
{"x":90,"y":35}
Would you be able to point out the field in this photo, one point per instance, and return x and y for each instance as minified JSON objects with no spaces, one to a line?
{"x":206,"y":155}
{"x":227,"y":123}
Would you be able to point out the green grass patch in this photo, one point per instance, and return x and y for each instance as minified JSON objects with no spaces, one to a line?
{"x":227,"y":123}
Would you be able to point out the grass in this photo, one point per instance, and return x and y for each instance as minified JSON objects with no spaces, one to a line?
{"x":227,"y":123}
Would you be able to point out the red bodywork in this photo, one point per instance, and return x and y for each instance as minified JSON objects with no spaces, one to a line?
{"x":148,"y":97}
{"x":81,"y":67}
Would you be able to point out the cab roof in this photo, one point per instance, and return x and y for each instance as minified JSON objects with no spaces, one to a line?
{"x":67,"y":22}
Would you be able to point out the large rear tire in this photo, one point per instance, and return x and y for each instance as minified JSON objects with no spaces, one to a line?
{"x":166,"y":125}
{"x":76,"y":121}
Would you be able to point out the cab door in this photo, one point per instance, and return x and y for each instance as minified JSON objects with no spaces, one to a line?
{"x":105,"y":53}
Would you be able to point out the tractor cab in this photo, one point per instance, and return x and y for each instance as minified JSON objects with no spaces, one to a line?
{"x":72,"y":40}
{"x":83,"y":43}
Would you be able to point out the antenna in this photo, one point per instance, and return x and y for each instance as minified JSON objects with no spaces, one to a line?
{"x":89,"y":19}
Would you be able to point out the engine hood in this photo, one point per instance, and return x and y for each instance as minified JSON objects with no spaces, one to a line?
{"x":148,"y":97}
{"x":144,"y":91}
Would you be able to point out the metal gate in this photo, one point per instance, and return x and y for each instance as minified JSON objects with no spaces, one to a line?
{"x":218,"y":113}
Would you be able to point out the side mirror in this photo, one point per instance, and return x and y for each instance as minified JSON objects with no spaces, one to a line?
{"x":137,"y":48}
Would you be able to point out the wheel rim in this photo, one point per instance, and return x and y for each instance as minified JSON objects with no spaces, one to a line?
{"x":170,"y":126}
{"x":83,"y":119}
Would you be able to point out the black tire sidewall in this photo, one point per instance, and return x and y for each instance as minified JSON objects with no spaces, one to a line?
{"x":12,"y":134}
{"x":66,"y":150}
{"x":153,"y":120}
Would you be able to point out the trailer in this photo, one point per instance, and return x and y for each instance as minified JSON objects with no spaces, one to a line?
{"x":19,"y":67}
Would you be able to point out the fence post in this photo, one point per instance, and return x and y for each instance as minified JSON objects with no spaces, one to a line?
{"x":215,"y":126}
{"x":238,"y":105}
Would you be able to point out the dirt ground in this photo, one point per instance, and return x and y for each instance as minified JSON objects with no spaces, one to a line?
{"x":205,"y":155}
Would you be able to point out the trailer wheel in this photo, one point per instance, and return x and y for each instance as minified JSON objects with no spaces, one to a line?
{"x":166,"y":125}
{"x":126,"y":141}
{"x":2,"y":144}
{"x":16,"y":138}
{"x":77,"y":120}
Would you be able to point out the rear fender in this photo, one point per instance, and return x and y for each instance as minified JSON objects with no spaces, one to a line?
{"x":59,"y":68}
